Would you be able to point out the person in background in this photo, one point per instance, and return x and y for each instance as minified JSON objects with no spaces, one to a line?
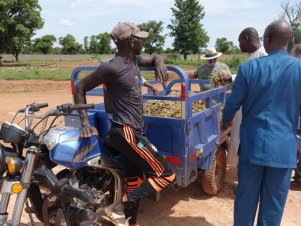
{"x":268,"y":89}
{"x":212,"y":67}
{"x":249,"y":43}
{"x":296,"y":52}
{"x":122,"y":82}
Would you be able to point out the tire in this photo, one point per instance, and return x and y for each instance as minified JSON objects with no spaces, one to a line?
{"x":213,"y":179}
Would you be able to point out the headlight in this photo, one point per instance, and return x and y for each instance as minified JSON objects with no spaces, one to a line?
{"x":14,"y":165}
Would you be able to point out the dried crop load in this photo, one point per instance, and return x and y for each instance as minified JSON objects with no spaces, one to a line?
{"x":170,"y":109}
{"x":218,"y":80}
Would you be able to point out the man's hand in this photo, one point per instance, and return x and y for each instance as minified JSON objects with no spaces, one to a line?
{"x":155,"y":90}
{"x":192,"y":74}
{"x":226,"y":126}
{"x":88,"y":131}
{"x":161,"y":72}
{"x":225,"y":76}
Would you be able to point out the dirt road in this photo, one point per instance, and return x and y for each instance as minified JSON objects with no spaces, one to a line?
{"x":185,"y":207}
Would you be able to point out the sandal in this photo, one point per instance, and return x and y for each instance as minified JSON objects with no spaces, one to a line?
{"x":114,"y":213}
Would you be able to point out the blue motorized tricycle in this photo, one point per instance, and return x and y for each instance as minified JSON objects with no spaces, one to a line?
{"x":192,"y":144}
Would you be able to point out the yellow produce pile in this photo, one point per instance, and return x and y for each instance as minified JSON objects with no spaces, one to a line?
{"x":218,"y":80}
{"x":170,"y":109}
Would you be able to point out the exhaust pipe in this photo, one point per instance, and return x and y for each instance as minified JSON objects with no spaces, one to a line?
{"x":105,"y":163}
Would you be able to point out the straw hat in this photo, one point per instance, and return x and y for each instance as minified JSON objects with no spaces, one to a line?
{"x":211,"y":54}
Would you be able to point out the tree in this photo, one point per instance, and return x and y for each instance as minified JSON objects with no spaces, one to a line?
{"x":104,"y":40}
{"x":86,"y":44}
{"x":18,"y":21}
{"x":155,"y":40}
{"x":292,"y":12}
{"x":186,"y":27}
{"x":93,"y":45}
{"x":223,"y":45}
{"x":44,"y":44}
{"x":99,"y":44}
{"x":27,"y":48}
{"x":69,"y":45}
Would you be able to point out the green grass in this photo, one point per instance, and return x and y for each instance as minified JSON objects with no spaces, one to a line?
{"x":33,"y":72}
{"x":233,"y":62}
{"x":37,"y":73}
{"x":36,"y":70}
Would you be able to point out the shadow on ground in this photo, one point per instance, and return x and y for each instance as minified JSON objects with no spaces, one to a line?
{"x":167,"y":211}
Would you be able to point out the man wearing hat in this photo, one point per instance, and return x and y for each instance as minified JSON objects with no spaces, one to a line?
{"x":211,"y":68}
{"x":121,"y":79}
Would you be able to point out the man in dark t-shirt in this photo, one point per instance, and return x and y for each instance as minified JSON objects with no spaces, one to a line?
{"x":121,"y":79}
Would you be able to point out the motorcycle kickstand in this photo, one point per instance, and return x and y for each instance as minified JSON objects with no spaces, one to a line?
{"x":29,"y":213}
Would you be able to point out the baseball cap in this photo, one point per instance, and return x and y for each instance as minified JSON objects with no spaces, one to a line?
{"x":123,"y":30}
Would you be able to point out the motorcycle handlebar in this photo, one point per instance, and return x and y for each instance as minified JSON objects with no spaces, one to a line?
{"x":37,"y":107}
{"x":68,"y":108}
{"x":34,"y":107}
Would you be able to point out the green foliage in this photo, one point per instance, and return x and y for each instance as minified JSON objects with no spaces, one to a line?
{"x":169,"y":51}
{"x":297,"y":35}
{"x":234,"y":62}
{"x":56,"y":50}
{"x":99,"y":44}
{"x":223,"y":45}
{"x":155,"y":41}
{"x":44,"y":44}
{"x":181,"y":62}
{"x":291,"y":11}
{"x":104,"y":42}
{"x":27,"y":48}
{"x":18,"y":21}
{"x":186,"y":27}
{"x":235,"y":50}
{"x":86,"y":44}
{"x":69,"y":45}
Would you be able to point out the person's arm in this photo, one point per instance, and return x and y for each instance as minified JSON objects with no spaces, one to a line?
{"x":235,"y":100}
{"x":193,"y":74}
{"x":79,"y":96}
{"x":152,"y":87}
{"x":225,"y":73}
{"x":157,"y":61}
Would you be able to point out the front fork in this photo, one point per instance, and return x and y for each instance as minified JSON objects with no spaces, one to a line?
{"x":3,"y":206}
{"x":30,"y":160}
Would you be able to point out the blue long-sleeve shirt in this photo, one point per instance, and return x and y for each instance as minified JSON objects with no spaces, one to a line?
{"x":269,"y":90}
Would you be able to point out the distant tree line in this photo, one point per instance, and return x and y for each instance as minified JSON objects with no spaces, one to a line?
{"x":19,"y":19}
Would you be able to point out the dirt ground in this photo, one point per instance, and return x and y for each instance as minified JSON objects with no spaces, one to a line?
{"x":188,"y":206}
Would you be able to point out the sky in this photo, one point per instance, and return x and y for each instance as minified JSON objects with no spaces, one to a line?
{"x":223,"y":18}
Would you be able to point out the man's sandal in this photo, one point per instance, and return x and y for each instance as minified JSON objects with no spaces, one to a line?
{"x":114,"y":213}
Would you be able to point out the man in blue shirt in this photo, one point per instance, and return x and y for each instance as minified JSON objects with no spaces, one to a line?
{"x":268,"y":89}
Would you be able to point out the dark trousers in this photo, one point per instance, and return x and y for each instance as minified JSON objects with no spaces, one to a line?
{"x":140,"y":157}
